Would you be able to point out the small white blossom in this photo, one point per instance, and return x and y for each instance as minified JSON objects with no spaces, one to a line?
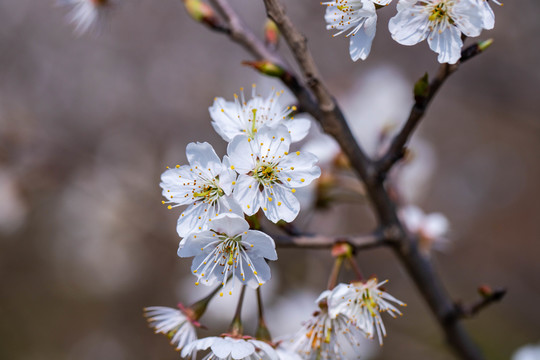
{"x":358,"y":16}
{"x":173,"y":323}
{"x":268,"y":174}
{"x":228,"y":348}
{"x":430,"y":228}
{"x":88,"y":15}
{"x":205,"y":185}
{"x":229,"y":248}
{"x":243,"y":117}
{"x":527,"y":352}
{"x":363,"y":302}
{"x":440,"y":21}
{"x":326,"y":337}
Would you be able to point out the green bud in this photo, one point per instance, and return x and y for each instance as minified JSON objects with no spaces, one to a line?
{"x":266,"y":67}
{"x":421,"y":88}
{"x":483,"y":45}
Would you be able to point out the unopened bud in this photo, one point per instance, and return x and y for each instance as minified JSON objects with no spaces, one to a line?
{"x":201,"y":12}
{"x":271,"y":33}
{"x":483,"y":45}
{"x":485,"y":291}
{"x":266,"y":67}
{"x":342,"y":248}
{"x":421,"y":88}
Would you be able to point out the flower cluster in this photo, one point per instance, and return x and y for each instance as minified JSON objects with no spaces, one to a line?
{"x":441,"y":22}
{"x":346,"y":314}
{"x":259,"y":172}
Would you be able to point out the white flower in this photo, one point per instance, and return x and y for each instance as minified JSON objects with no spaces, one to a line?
{"x":246,"y":118}
{"x":363,"y":302}
{"x":326,"y":337}
{"x":229,"y":248}
{"x":88,"y":15}
{"x":228,"y":348}
{"x":430,"y":228}
{"x":173,"y":323}
{"x":527,"y":352}
{"x":358,"y":16}
{"x":269,"y":174}
{"x":205,"y":185}
{"x":440,"y":21}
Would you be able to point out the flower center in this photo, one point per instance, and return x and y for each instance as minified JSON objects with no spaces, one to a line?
{"x":209,"y":193}
{"x":440,"y":13}
{"x":266,"y":174}
{"x":369,"y":303}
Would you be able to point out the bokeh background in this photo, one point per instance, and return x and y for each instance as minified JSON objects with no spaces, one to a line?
{"x":87,"y":125}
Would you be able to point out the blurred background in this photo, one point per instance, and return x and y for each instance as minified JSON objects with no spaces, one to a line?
{"x":87,"y":125}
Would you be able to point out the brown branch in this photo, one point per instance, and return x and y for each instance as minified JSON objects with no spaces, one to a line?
{"x":396,"y":150}
{"x":324,"y":242}
{"x":406,"y":247}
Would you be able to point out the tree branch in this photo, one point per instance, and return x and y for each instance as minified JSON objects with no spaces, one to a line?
{"x":324,"y":242}
{"x":488,"y":297}
{"x":405,"y":247}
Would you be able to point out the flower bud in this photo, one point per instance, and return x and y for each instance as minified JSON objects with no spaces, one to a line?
{"x":271,"y":33}
{"x":266,"y":67}
{"x":421,"y":88}
{"x":201,"y":12}
{"x":483,"y":45}
{"x":342,"y":248}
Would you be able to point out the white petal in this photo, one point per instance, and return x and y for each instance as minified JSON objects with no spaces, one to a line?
{"x":227,"y":176}
{"x":263,"y":245}
{"x":273,"y":142}
{"x":272,"y":354}
{"x":194,"y":218}
{"x":409,"y":26}
{"x":225,"y":118}
{"x":227,"y":205}
{"x":284,"y":205}
{"x":222,"y":347}
{"x":360,"y":42}
{"x":242,"y":349}
{"x":246,"y":193}
{"x":298,"y":128}
{"x":240,"y":151}
{"x":229,"y":224}
{"x":203,"y":156}
{"x":299,"y":169}
{"x":447,"y":44}
{"x":468,"y":17}
{"x":263,"y":272}
{"x":193,"y":244}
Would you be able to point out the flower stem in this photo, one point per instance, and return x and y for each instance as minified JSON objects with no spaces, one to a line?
{"x":332,"y":280}
{"x":262,"y":332}
{"x":236,"y":325}
{"x":198,"y":308}
{"x":355,"y":267}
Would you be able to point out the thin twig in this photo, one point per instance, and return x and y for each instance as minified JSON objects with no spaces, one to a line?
{"x":396,"y":151}
{"x":324,"y":242}
{"x":469,"y":311}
